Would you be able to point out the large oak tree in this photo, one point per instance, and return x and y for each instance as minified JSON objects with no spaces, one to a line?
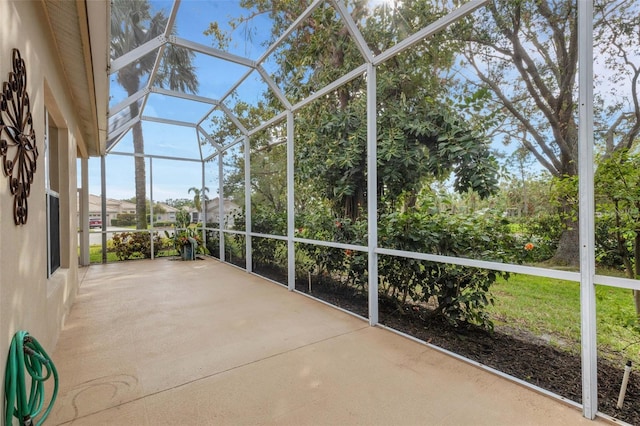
{"x":525,"y":53}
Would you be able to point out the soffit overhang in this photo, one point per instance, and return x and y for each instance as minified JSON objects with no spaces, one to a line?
{"x":80,"y":33}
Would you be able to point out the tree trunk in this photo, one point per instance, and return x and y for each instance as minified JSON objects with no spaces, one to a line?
{"x":140,"y":177}
{"x":568,"y":251}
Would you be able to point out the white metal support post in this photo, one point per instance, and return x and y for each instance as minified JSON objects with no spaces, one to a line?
{"x":247,"y":203}
{"x":84,"y":213}
{"x":587,"y":208}
{"x":372,"y":194}
{"x":103,"y":207}
{"x":220,"y":202}
{"x":291,"y":280}
{"x":151,"y":204}
{"x":203,"y":198}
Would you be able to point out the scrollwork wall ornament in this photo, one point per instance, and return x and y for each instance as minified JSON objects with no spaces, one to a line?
{"x":17,"y":137}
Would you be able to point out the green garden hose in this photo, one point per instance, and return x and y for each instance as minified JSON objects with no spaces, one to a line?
{"x":26,"y":353}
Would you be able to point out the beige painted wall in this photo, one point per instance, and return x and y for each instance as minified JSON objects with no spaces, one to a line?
{"x":28,"y":300}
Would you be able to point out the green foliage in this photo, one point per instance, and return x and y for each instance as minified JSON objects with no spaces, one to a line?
{"x":614,"y":247}
{"x":543,"y":233}
{"x":264,"y":220}
{"x":213,"y":243}
{"x":459,"y":293}
{"x":187,"y":236}
{"x":163,"y":224}
{"x":266,"y":252}
{"x":618,"y":234}
{"x":420,"y":136}
{"x":235,"y":249}
{"x":179,"y":203}
{"x":182,"y":219}
{"x":347,"y":267}
{"x":125,"y":219}
{"x":128,"y":244}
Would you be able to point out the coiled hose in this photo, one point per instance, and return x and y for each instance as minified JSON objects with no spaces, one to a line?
{"x":27,"y":354}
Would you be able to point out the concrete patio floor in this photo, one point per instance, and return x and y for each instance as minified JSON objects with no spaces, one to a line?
{"x":167,"y":342}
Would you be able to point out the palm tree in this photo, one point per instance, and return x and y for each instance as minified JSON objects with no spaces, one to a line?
{"x":199,"y":195}
{"x":132,"y":25}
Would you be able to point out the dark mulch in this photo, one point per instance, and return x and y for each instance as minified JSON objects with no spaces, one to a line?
{"x":513,"y":352}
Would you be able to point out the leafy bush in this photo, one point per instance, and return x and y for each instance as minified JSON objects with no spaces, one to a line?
{"x":266,"y":221}
{"x":126,"y":219}
{"x":613,"y":244}
{"x":128,"y":244}
{"x":162,"y":224}
{"x":213,"y":243}
{"x":345,"y":266}
{"x":182,"y":219}
{"x":537,"y":238}
{"x":235,"y":249}
{"x":458,"y":293}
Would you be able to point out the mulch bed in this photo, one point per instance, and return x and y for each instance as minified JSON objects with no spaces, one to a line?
{"x":514,"y":352}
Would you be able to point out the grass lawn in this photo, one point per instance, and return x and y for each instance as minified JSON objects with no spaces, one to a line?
{"x":550,"y":308}
{"x":95,"y":254}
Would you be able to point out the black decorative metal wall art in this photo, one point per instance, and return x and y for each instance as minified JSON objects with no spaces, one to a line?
{"x":17,"y":138}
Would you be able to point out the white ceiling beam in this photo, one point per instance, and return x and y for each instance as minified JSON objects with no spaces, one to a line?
{"x":289,"y":30}
{"x":361,"y":43}
{"x":234,"y":143}
{"x":274,"y":120}
{"x":208,"y":113}
{"x":429,"y":30}
{"x":156,"y":67}
{"x":234,"y":119}
{"x":114,"y":142}
{"x":236,"y":85}
{"x":331,"y":87}
{"x":182,"y":95}
{"x":157,"y":157}
{"x":210,"y":139}
{"x":274,"y":88}
{"x":137,"y":53}
{"x":167,"y":121}
{"x":211,"y":157}
{"x":121,"y":132}
{"x":125,"y":126}
{"x":207,"y":50}
{"x":172,"y":18}
{"x":127,"y":102}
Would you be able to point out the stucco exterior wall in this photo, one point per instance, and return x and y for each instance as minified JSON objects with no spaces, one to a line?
{"x":28,"y":299}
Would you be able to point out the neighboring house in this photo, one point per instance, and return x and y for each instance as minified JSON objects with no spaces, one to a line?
{"x":168,"y":216}
{"x":67,"y":92}
{"x":114,"y":208}
{"x":229,"y":209}
{"x":195,"y":216}
{"x":117,"y":207}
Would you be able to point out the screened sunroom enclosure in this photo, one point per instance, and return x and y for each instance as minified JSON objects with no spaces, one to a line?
{"x":386,"y":153}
